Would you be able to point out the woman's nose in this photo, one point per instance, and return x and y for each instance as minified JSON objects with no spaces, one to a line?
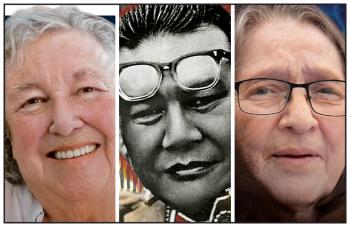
{"x":64,"y":119}
{"x":180,"y":129}
{"x":298,"y":115}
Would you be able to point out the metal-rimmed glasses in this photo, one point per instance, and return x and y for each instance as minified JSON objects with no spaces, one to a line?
{"x":141,"y":80}
{"x":264,"y":96}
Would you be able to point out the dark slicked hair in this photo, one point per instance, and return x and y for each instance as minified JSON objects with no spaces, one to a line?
{"x":145,"y":21}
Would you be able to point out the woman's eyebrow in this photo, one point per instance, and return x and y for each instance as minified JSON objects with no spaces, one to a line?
{"x":321,"y":74}
{"x":19,"y":88}
{"x":273,"y":72}
{"x":88,"y":73}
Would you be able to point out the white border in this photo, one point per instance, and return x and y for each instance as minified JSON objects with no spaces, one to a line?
{"x":233,"y":94}
{"x":116,"y":92}
{"x":114,"y":11}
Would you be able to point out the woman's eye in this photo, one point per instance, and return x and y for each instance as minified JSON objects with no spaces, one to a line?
{"x":326,"y":94}
{"x":33,"y":104}
{"x":326,"y":91}
{"x":265,"y":93}
{"x":89,"y":91}
{"x":262,"y":91}
{"x":148,"y":117}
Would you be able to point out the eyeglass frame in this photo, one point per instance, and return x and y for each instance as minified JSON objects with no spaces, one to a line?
{"x":291,"y":87}
{"x":216,"y":54}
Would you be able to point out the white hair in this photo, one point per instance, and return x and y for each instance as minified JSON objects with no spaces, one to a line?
{"x":27,"y":25}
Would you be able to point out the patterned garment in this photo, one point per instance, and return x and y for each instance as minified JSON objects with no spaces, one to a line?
{"x":128,"y":178}
{"x":129,"y":182}
{"x":221,"y":211}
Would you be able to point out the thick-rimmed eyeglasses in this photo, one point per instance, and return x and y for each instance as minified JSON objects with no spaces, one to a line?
{"x":263,"y":96}
{"x":195,"y":71}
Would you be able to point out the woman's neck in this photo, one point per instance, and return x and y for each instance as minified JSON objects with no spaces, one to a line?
{"x":100,"y":208}
{"x":261,"y":207}
{"x":98,"y":214}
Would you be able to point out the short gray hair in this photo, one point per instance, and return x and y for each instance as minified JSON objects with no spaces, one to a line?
{"x":27,"y":25}
{"x":249,"y":16}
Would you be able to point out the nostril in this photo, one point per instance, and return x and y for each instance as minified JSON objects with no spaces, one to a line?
{"x":181,"y":138}
{"x":65,"y":126}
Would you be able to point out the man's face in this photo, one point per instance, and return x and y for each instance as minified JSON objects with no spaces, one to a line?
{"x":179,"y":141}
{"x":297,"y":155}
{"x":60,"y":104}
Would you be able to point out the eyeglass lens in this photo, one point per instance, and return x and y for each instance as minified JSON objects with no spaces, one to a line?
{"x":328,"y":97}
{"x":192,"y":73}
{"x":197,"y":71}
{"x":138,"y":80}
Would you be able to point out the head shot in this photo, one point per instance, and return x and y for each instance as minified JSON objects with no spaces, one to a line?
{"x":174,"y":77}
{"x":290,"y":114}
{"x":59,"y":114}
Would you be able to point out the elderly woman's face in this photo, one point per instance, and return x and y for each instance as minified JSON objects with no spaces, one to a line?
{"x":298,"y":155}
{"x":60,"y":111}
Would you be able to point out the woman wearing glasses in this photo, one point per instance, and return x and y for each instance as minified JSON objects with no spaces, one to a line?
{"x":290,"y":115}
{"x":175,"y":109}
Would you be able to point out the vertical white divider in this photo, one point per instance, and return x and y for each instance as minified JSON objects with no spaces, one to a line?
{"x":117,"y":183}
{"x":233,"y":113}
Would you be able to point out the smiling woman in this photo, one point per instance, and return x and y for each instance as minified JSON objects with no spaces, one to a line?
{"x":59,"y":101}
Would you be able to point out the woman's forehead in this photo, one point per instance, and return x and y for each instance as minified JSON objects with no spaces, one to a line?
{"x":292,"y":46}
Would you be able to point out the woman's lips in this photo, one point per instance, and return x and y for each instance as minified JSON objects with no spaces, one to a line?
{"x":297,"y":157}
{"x":190,"y":171}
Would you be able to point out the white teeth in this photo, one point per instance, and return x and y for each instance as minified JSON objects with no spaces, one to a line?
{"x":69,"y":154}
{"x":58,"y":155}
{"x":189,"y":171}
{"x":82,"y":151}
{"x":75,"y":153}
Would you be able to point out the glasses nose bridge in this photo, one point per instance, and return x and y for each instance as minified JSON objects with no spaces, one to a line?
{"x":166,"y":67}
{"x":305,"y":86}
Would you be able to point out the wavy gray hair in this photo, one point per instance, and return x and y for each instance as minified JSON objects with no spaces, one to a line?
{"x":27,"y":25}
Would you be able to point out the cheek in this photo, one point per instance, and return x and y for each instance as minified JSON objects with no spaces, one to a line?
{"x":26,"y":133}
{"x":247,"y":130}
{"x":101,"y":116}
{"x":334,"y":134}
{"x":216,"y":125}
{"x":143,"y":141}
{"x":217,"y":128}
{"x":252,"y":136}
